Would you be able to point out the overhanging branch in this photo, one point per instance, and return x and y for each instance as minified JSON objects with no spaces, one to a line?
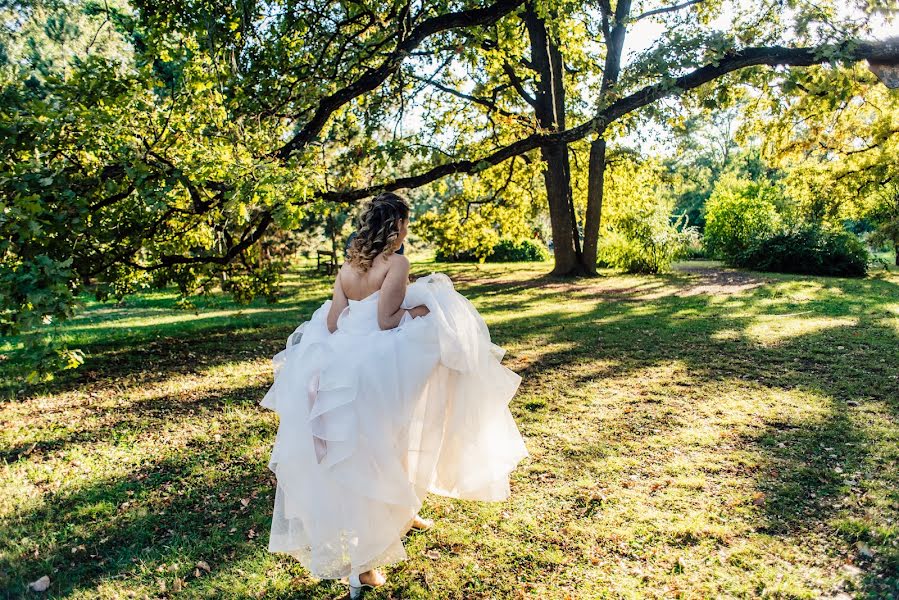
{"x":881,"y":52}
{"x":249,"y":237}
{"x":666,"y":9}
{"x":374,"y":78}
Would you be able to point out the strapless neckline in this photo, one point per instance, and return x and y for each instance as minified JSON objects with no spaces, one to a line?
{"x":366,"y":298}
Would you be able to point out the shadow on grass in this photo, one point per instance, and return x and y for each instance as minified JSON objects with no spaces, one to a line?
{"x":817,"y":469}
{"x":153,"y":352}
{"x":160,"y":514}
{"x":130,"y":419}
{"x":629,"y":328}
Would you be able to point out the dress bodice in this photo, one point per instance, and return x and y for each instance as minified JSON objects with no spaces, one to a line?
{"x":360,"y":316}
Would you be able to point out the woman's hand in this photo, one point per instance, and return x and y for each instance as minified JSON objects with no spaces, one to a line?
{"x":419,"y":311}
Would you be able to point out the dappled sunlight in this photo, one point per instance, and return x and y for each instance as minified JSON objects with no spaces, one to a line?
{"x":773,"y":329}
{"x":153,"y":478}
{"x":104,"y":409}
{"x":683,"y":440}
{"x":891,"y":322}
{"x":526,"y":356}
{"x":726,"y":335}
{"x":89,"y":462}
{"x":166,"y":318}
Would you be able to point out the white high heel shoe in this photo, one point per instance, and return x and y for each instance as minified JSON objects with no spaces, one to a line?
{"x":357,"y":588}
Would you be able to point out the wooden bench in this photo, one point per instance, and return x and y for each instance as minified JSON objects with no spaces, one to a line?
{"x":329,"y":265}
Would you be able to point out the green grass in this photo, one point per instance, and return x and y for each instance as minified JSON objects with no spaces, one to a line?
{"x":708,"y":433}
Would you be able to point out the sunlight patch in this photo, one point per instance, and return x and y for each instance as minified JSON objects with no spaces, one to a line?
{"x":726,"y":335}
{"x":143,"y":322}
{"x":772,"y":329}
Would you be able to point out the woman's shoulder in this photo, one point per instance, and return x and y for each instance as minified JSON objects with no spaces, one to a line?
{"x":397,"y":260}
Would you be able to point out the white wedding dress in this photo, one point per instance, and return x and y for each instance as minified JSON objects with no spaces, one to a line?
{"x":372,"y":420}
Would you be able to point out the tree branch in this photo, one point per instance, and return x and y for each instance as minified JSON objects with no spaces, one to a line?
{"x":667,"y":9}
{"x":492,"y":105}
{"x":250,"y":236}
{"x":374,"y":78}
{"x":518,"y":85}
{"x":767,"y":55}
{"x":605,"y":10}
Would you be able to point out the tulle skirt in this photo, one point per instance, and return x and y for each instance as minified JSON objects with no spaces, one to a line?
{"x":372,"y":420}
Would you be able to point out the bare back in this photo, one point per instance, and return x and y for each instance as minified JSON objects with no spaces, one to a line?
{"x":358,"y":285}
{"x":388,"y":274}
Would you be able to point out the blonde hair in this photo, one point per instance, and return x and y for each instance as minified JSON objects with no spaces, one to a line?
{"x":377,"y":229}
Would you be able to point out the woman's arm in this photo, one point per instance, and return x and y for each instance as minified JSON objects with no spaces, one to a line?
{"x":393,"y":291}
{"x":338,"y":303}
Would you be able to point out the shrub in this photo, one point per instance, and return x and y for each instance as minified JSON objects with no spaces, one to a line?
{"x":505,"y":251}
{"x":738,"y":213}
{"x":444,"y":256}
{"x":644,"y":240}
{"x":808,"y":250}
{"x":523,"y":251}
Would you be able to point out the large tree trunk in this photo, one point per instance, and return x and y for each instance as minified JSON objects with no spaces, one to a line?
{"x":596,"y":170}
{"x":595,"y":183}
{"x":558,"y":193}
{"x":549,"y":108}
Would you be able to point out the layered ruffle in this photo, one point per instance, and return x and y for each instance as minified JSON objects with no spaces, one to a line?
{"x":372,"y":420}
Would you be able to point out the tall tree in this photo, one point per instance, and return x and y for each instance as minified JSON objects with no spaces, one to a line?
{"x":175,"y":161}
{"x":691,"y":58}
{"x":550,"y":109}
{"x":172,"y":162}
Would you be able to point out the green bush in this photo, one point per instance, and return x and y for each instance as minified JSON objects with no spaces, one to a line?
{"x":505,"y":251}
{"x":644,"y":240}
{"x":523,"y":251}
{"x":808,"y":250}
{"x":443,"y":256}
{"x":738,"y":213}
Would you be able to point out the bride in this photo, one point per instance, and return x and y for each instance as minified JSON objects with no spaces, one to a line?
{"x":390,"y":391}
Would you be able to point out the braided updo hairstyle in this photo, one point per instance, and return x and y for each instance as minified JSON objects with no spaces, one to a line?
{"x":377,"y":229}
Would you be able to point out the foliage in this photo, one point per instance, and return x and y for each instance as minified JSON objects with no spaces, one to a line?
{"x":807,"y":249}
{"x":640,"y":235}
{"x":459,"y":238}
{"x":468,"y":218}
{"x":506,"y":250}
{"x":646,"y":241}
{"x":884,"y":212}
{"x":739,"y":212}
{"x":834,"y":133}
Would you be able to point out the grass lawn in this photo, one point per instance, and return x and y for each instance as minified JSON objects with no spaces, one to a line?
{"x":707,"y":433}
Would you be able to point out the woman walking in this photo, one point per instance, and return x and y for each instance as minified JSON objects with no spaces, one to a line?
{"x":390,"y":391}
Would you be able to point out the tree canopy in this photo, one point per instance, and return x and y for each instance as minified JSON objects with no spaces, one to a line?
{"x":148,"y":145}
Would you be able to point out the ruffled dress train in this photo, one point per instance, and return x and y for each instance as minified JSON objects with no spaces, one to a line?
{"x":372,"y":420}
